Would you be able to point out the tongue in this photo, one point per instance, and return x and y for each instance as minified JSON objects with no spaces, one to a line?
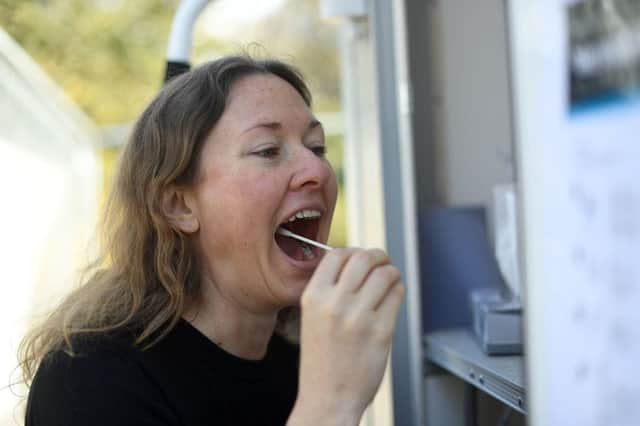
{"x":290,"y":247}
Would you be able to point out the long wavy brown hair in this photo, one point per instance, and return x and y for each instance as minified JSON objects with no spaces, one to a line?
{"x":147,"y":271}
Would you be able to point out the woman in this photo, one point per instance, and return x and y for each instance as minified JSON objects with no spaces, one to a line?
{"x":175,"y":325}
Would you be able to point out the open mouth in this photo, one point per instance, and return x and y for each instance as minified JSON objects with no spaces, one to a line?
{"x":307,"y":224}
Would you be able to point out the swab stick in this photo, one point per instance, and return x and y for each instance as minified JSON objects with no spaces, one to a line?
{"x":287,"y":233}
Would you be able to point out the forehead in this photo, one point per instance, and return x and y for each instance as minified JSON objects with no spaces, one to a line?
{"x":257,"y":95}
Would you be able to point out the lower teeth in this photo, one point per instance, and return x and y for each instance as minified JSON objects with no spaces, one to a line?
{"x":308,"y":253}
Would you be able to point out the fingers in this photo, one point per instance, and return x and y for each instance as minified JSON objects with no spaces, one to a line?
{"x":359,"y":266}
{"x":356,"y":280}
{"x":329,"y":269}
{"x":389,"y":307}
{"x":377,"y":285}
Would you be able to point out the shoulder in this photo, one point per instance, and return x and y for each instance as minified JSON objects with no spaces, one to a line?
{"x":100,"y":383}
{"x":88,"y":364}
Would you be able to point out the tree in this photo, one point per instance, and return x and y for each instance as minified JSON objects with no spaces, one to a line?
{"x":108,"y":55}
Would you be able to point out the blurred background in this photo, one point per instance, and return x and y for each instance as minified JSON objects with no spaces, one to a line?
{"x":75,"y":74}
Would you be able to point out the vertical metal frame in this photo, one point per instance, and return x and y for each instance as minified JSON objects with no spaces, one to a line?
{"x":394,"y":112}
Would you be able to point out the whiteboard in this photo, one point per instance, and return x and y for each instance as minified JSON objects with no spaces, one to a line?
{"x":576,"y":81}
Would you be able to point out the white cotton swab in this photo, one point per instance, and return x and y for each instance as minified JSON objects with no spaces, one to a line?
{"x":287,"y":233}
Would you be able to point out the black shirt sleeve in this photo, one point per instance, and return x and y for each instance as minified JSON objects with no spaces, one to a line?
{"x":100,"y":388}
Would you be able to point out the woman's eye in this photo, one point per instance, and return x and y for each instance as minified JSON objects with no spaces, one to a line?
{"x":268,"y":152}
{"x":320,"y":151}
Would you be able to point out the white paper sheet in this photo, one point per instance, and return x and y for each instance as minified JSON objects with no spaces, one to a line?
{"x":577,"y":86}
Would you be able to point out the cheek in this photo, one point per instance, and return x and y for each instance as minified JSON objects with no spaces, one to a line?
{"x":253,"y":201}
{"x":230,"y":223}
{"x":265,"y":189}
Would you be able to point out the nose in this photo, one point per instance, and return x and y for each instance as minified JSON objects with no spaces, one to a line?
{"x":310,"y":171}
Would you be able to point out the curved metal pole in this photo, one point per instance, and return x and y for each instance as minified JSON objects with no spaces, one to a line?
{"x":181,"y":37}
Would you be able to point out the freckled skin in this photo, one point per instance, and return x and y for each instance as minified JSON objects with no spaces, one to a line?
{"x":241,"y":197}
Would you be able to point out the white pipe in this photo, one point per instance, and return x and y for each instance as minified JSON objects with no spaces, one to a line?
{"x":181,"y":36}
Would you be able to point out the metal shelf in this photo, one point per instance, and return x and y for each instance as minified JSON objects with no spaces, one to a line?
{"x":457,"y":352}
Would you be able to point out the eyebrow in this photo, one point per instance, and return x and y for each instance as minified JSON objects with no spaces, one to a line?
{"x":275,"y":125}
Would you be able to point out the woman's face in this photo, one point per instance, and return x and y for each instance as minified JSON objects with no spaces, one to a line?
{"x":261,"y":165}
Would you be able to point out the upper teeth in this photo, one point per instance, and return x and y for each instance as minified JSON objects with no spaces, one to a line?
{"x":305,"y":214}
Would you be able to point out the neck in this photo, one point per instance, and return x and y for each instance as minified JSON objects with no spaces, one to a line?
{"x":238,"y":330}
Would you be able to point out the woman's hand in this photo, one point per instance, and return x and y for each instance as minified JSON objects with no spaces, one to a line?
{"x":349,"y":311}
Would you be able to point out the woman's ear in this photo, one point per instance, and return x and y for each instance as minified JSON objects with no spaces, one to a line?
{"x":178,"y":207}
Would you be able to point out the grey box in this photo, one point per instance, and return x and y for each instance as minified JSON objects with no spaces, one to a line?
{"x":497,"y":322}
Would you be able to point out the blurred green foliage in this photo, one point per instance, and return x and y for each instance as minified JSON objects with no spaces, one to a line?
{"x":106,"y":54}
